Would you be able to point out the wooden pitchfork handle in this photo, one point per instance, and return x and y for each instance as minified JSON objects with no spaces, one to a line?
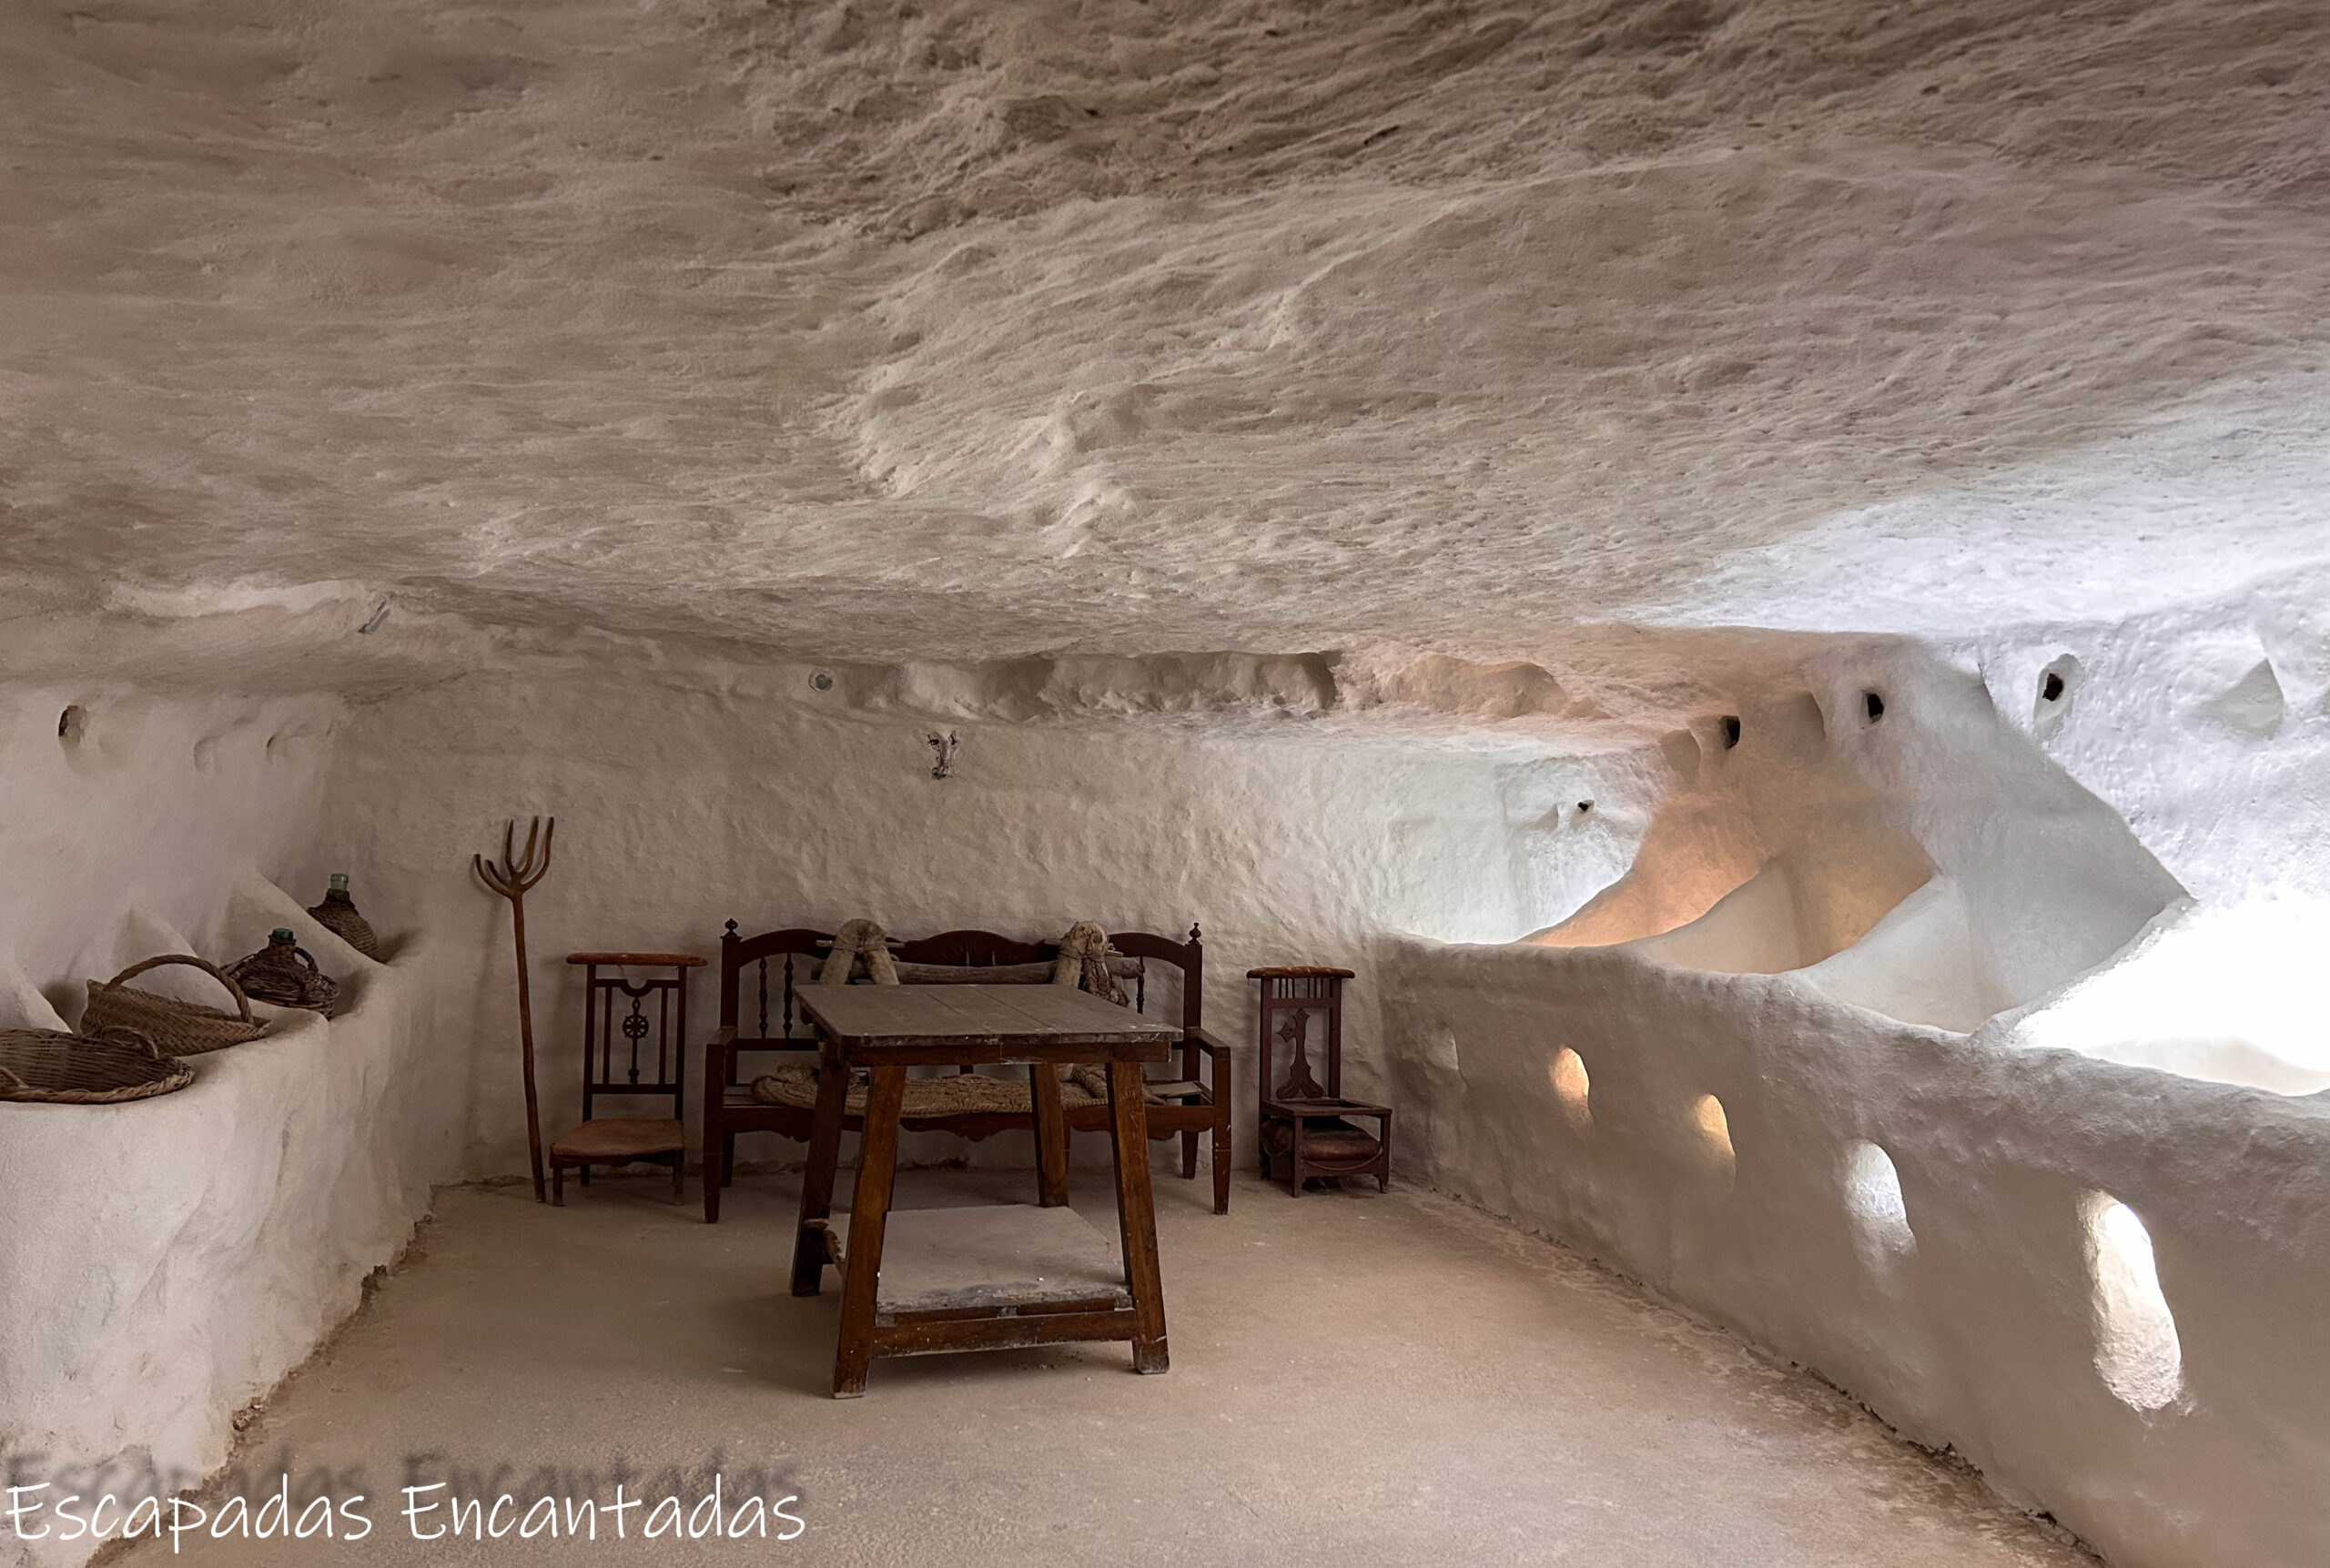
{"x":512,"y":879}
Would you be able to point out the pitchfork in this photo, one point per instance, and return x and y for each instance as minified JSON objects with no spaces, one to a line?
{"x":513,"y":878}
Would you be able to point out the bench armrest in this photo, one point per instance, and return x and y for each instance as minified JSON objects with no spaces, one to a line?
{"x":1205,"y":1042}
{"x":719,"y":1061}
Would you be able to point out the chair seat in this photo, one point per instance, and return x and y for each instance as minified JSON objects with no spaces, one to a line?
{"x":611,"y":1140}
{"x":1337,"y":1141}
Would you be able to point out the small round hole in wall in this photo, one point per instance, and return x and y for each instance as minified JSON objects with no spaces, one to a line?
{"x":2137,"y":1351}
{"x":1874,"y":703}
{"x":1873,"y":1199}
{"x":1730,"y":731}
{"x":1713,"y":1127}
{"x":823,"y":680}
{"x":1573,"y":1089}
{"x":1584,"y":806}
{"x":73,"y":725}
{"x":2058,"y":685}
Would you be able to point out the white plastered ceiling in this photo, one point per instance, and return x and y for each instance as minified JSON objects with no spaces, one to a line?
{"x":952,"y":331}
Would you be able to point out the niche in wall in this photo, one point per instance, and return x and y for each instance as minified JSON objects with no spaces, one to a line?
{"x":100,"y":737}
{"x":1873,"y":1199}
{"x":2137,"y":1351}
{"x":2253,"y":706}
{"x":1573,"y":1089}
{"x":1713,"y":1126}
{"x":1681,"y":750}
{"x":1799,"y":730}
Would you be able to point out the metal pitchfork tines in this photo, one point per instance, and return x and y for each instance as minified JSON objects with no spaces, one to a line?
{"x":517,"y":873}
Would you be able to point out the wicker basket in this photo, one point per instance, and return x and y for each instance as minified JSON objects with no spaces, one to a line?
{"x":179,"y":1028}
{"x":283,"y":975}
{"x":51,"y":1067}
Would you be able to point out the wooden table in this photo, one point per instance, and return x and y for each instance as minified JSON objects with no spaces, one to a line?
{"x":889,"y":1028}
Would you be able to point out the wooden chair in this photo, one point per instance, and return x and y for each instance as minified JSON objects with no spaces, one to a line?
{"x":614,"y":1006}
{"x":1304,"y":1127}
{"x":759,"y":1013}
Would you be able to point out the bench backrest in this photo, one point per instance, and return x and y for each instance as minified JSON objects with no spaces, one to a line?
{"x":760,"y":976}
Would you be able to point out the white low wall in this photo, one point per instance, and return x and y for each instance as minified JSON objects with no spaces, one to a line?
{"x":166,"y":1261}
{"x":1982,"y":1333}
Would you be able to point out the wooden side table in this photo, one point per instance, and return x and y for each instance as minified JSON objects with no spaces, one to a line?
{"x":989,"y":1278}
{"x":1306,"y":1128}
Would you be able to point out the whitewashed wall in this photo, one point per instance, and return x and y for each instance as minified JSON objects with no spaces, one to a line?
{"x":2167,"y":1397}
{"x":164,"y":1263}
{"x":682,"y":803}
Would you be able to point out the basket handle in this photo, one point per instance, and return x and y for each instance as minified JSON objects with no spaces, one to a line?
{"x":132,"y":1036}
{"x":303,"y":956}
{"x":242,"y":1002}
{"x":13,"y":1078}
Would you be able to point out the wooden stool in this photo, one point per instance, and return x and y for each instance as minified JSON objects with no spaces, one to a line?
{"x":622,"y":1140}
{"x":1303,"y":1128}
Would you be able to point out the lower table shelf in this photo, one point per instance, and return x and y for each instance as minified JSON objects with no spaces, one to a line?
{"x":996,"y":1260}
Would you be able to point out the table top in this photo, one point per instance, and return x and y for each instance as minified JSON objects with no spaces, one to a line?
{"x":918,"y":1024}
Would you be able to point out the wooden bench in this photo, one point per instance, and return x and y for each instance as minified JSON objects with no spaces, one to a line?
{"x":760,"y":979}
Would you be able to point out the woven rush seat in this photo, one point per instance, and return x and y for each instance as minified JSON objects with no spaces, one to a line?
{"x":612,"y":1140}
{"x":958,"y":1093}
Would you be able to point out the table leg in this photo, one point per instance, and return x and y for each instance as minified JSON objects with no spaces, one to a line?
{"x":869,"y":1211}
{"x":817,"y":1178}
{"x":1051,"y":1135}
{"x":1135,"y":1214}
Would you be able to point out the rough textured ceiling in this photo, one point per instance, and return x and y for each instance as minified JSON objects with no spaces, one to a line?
{"x":962,"y":330}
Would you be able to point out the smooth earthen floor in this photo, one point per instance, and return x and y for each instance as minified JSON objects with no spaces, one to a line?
{"x":1356,"y":1380}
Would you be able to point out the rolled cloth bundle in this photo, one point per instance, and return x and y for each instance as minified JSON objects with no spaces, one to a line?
{"x":1087,"y":960}
{"x":859,"y":939}
{"x":1084,"y":955}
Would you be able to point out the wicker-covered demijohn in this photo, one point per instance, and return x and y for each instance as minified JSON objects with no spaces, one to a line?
{"x":57,"y":1068}
{"x":338,"y":914}
{"x":282,"y":974}
{"x":178,"y":1028}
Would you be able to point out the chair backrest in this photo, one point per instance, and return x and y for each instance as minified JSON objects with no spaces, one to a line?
{"x":1289,"y":996}
{"x":797,"y":952}
{"x":634,"y":1032}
